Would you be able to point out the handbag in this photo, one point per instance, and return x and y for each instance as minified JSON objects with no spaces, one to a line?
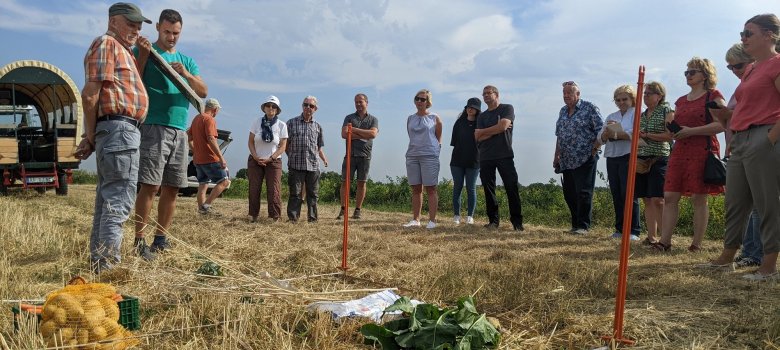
{"x":643,"y":165}
{"x":714,"y":168}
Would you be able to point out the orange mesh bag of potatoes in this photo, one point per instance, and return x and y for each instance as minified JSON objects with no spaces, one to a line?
{"x":85,"y":315}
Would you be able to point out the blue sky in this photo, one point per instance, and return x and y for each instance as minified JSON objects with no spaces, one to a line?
{"x":390,"y":49}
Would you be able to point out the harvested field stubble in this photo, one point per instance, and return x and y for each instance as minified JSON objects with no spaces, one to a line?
{"x":549,"y":289}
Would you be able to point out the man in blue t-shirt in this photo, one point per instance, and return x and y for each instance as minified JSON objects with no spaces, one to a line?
{"x":164,"y":149}
{"x":494,"y":143}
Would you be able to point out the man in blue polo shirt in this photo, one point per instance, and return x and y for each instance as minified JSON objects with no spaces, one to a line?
{"x":164,"y":148}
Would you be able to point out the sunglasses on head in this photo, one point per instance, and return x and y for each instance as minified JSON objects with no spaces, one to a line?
{"x":569,"y":83}
{"x":691,"y":72}
{"x":736,"y":66}
{"x":309,"y":105}
{"x":420,"y":99}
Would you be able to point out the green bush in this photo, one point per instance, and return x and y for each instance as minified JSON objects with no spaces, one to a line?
{"x":84,"y":177}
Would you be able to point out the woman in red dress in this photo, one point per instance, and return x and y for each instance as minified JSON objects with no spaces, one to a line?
{"x":684,"y":176}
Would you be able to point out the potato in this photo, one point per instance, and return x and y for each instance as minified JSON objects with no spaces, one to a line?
{"x":47,"y":328}
{"x":66,"y":334}
{"x":111,"y":308}
{"x":61,"y":316}
{"x":48,"y":312}
{"x":113,"y":328}
{"x":93,"y":318}
{"x":83,"y":336}
{"x":97,"y":334}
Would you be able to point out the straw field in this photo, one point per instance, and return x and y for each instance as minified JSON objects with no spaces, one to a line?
{"x":549,"y":289}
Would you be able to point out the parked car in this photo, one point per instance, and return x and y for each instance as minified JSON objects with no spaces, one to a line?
{"x":223,"y":140}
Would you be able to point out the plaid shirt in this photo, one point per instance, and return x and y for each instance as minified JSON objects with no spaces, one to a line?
{"x":123,"y":93}
{"x":303,"y":144}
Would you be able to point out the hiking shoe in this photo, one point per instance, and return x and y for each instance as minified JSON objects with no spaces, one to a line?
{"x":760,"y":277}
{"x":746,"y":262}
{"x":356,"y":214}
{"x":431,"y":225}
{"x":518,"y":227}
{"x":208,"y":211}
{"x":144,"y":251}
{"x":412,"y":223}
{"x":160,"y":247}
{"x":456,"y":219}
{"x":469,"y":220}
{"x":580,"y":232}
{"x":341,"y":214}
{"x":491,"y":225}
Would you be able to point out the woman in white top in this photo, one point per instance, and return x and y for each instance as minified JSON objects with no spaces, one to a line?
{"x":422,"y":158}
{"x":267,"y":142}
{"x":616,"y":134}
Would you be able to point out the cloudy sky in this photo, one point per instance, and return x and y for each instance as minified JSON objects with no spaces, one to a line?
{"x":390,"y":49}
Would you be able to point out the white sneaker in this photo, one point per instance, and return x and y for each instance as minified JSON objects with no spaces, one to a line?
{"x":456,"y":219}
{"x":413,"y":223}
{"x":431,"y":225}
{"x":469,"y":220}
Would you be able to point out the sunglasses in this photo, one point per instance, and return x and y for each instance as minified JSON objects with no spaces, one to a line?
{"x":309,"y":105}
{"x":691,"y":72}
{"x":569,"y":83}
{"x":420,"y":99}
{"x":624,"y":99}
{"x":745,"y":34}
{"x":736,"y":66}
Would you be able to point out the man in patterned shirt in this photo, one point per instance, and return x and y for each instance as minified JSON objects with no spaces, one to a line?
{"x":115,"y":103}
{"x":304,"y":145}
{"x":576,"y":154}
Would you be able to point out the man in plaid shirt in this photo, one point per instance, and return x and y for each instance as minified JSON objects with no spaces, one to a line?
{"x":115,"y":102}
{"x":304,"y":145}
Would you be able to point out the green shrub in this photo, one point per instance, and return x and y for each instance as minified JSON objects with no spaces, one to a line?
{"x":84,"y":177}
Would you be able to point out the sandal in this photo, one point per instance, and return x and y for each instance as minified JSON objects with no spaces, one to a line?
{"x":694,"y":248}
{"x":660,"y":247}
{"x":648,"y":241}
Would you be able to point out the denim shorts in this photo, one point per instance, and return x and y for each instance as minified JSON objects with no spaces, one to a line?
{"x":210,"y":172}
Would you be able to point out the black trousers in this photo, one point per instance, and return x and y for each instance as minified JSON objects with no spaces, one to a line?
{"x":487,"y":173}
{"x":295,"y":179}
{"x":578,"y":192}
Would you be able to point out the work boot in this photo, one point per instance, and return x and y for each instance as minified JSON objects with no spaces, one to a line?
{"x":143,"y":250}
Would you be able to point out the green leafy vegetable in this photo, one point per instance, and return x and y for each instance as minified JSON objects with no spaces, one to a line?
{"x":428,"y":327}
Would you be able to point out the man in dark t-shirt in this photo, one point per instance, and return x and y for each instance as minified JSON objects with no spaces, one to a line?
{"x":364,"y":129}
{"x":494,"y":140}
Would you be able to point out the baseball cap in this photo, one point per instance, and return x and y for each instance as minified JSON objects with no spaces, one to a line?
{"x":130,"y":11}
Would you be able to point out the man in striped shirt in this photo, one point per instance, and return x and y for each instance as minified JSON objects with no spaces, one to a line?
{"x":115,"y":103}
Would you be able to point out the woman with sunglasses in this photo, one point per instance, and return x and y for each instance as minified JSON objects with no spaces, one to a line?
{"x":754,"y":166}
{"x":655,"y":148}
{"x":694,"y":137}
{"x":267,"y":142}
{"x":464,"y":164}
{"x":616,"y":134}
{"x":739,"y":62}
{"x":422,"y":158}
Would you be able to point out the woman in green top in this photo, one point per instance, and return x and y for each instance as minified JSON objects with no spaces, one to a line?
{"x":657,"y":139}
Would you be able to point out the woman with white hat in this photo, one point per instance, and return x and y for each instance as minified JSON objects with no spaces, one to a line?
{"x":267,"y":142}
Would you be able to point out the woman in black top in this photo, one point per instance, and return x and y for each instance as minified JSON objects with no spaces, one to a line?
{"x":465,"y":163}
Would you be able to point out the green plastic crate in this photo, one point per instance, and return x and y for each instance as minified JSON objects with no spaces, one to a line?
{"x":129,"y":313}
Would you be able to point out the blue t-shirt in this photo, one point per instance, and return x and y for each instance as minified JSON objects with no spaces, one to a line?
{"x":167,"y":105}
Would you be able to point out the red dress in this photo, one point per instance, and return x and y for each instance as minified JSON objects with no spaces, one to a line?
{"x":685,"y":170}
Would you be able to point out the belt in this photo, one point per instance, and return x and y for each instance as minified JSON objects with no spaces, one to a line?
{"x":751,"y":127}
{"x":135,"y":122}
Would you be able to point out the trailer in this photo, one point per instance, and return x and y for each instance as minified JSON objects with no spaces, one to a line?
{"x":40,"y":127}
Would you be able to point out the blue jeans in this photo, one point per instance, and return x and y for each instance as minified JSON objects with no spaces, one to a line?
{"x":458,"y":175}
{"x":116,"y":144}
{"x":751,"y":244}
{"x":617,"y":173}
